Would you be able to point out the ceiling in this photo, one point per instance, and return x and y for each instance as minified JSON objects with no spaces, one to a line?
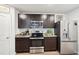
{"x":54,"y":8}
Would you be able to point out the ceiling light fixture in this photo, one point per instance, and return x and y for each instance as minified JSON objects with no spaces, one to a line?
{"x":23,"y":16}
{"x":44,"y":17}
{"x":51,"y":18}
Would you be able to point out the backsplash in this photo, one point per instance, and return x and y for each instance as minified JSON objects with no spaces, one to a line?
{"x":44,"y":30}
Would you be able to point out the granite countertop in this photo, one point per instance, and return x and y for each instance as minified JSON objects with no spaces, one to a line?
{"x":18,"y":36}
{"x":49,"y":35}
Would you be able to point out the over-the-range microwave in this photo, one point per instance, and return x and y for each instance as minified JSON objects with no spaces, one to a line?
{"x":36,"y":24}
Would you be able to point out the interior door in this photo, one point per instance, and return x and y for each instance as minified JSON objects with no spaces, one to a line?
{"x":5,"y":28}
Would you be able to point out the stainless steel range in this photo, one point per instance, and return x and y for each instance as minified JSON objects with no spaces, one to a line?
{"x":36,"y":43}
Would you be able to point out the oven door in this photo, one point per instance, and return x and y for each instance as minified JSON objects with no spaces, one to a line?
{"x":36,"y":46}
{"x":36,"y":42}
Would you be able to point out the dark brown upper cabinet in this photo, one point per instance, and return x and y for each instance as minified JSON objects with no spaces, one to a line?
{"x":49,"y":21}
{"x":35,"y":17}
{"x":24,"y":21}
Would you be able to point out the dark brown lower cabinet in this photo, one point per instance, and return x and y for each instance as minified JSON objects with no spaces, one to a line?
{"x":50,"y":44}
{"x":22,"y":44}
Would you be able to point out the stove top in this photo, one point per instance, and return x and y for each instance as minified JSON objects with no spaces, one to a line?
{"x":37,"y":35}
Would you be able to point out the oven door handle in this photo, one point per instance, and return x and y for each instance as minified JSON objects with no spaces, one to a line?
{"x":37,"y":38}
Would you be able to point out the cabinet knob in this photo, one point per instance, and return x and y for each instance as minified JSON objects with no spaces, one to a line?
{"x":7,"y":37}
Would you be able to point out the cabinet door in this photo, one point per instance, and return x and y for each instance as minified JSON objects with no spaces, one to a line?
{"x":22,"y":45}
{"x":50,"y":44}
{"x":35,"y":17}
{"x":23,"y":23}
{"x":49,"y":22}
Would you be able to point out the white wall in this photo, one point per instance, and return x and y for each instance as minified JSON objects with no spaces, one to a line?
{"x":14,"y":15}
{"x":12,"y":41}
{"x":74,"y":15}
{"x":16,"y":22}
{"x":12,"y":45}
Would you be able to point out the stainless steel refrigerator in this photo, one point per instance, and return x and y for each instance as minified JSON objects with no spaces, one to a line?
{"x":68,"y":37}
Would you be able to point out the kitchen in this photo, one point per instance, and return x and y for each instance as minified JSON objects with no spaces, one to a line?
{"x":39,"y":30}
{"x":40,"y":36}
